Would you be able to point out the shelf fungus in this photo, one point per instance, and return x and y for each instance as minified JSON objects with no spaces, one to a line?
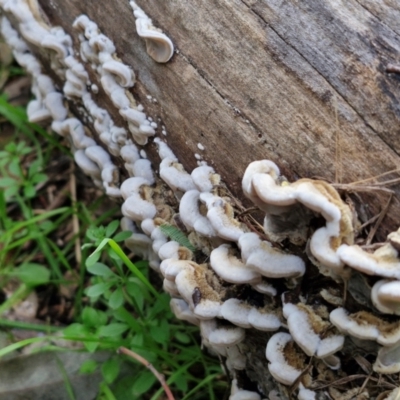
{"x":159,"y":46}
{"x":219,"y":269}
{"x":286,"y":362}
{"x":311,"y":332}
{"x":262,"y":185}
{"x":260,"y":256}
{"x":364,"y":325}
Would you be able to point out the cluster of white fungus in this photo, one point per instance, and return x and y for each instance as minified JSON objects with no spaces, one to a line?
{"x":232,"y":281}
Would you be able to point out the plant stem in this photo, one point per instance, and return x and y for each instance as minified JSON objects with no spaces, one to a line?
{"x":150,"y":366}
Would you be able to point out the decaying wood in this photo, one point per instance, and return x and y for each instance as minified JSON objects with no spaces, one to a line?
{"x":312,"y":85}
{"x":266,"y":79}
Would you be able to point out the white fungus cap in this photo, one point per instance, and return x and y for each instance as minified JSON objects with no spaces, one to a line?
{"x":170,"y":267}
{"x":240,"y":394}
{"x":278,"y":365}
{"x":220,"y":214}
{"x":193,"y":288}
{"x":86,"y":164}
{"x":158,"y":45}
{"x":205,"y":178}
{"x":388,"y":360}
{"x":124,"y":75}
{"x":258,"y":167}
{"x":237,"y":312}
{"x":235,"y":359}
{"x":189,"y":211}
{"x":304,"y":334}
{"x":164,"y":150}
{"x":132,"y":186}
{"x":263,"y":258}
{"x":263,"y":320}
{"x":383,"y":262}
{"x":230,"y":268}
{"x":220,"y":335}
{"x":175,"y":176}
{"x":366,"y":326}
{"x":265,"y":288}
{"x":138,"y":209}
{"x":306,"y":394}
{"x":385,"y":296}
{"x":182,"y":311}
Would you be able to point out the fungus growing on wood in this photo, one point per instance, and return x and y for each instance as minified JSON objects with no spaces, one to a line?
{"x":190,"y":210}
{"x":260,"y":256}
{"x":218,"y":335}
{"x":230,"y":268}
{"x":261,"y":183}
{"x":311,"y":332}
{"x":220,"y":214}
{"x":383,"y":262}
{"x":158,"y":45}
{"x":385,"y":296}
{"x":286,"y":363}
{"x":203,"y":299}
{"x":364,"y":325}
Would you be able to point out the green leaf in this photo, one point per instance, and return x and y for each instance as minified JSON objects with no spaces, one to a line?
{"x":93,"y":258}
{"x":15,"y":169}
{"x":177,"y":235}
{"x":7,"y":182}
{"x":98,"y":289}
{"x":32,"y":274}
{"x":29,"y":191}
{"x":91,"y":346}
{"x":88,"y":367}
{"x":100,"y":269}
{"x":143,"y":383}
{"x":160,"y":333}
{"x":34,"y":168}
{"x":75,"y":329}
{"x":121,"y":236}
{"x":111,"y":228}
{"x":11,"y":191}
{"x":39,"y":178}
{"x":181,"y":383}
{"x":110,"y":370}
{"x":136,"y":292}
{"x":182,"y":337}
{"x":123,"y":315}
{"x":116,"y":299}
{"x":90,"y":317}
{"x":113,"y":329}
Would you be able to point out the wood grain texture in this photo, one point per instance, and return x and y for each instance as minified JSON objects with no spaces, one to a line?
{"x":282,"y":80}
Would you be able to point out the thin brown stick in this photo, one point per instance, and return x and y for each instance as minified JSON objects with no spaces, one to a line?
{"x":160,"y":377}
{"x":376,"y":177}
{"x":350,"y":187}
{"x":353,"y":378}
{"x":382,"y":215}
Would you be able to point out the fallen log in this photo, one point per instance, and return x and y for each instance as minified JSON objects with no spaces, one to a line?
{"x":169,"y":124}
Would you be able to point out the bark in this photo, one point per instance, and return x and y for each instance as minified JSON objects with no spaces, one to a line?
{"x":286,"y":81}
{"x":304,"y":84}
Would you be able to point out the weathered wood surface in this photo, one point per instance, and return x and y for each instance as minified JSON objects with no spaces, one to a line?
{"x":282,"y":80}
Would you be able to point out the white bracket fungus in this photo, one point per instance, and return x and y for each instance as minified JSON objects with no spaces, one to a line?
{"x":309,"y":331}
{"x":213,"y":294}
{"x":385,"y":296}
{"x":158,"y":45}
{"x":285,"y":363}
{"x":260,"y":256}
{"x":366,"y":326}
{"x":230,"y":268}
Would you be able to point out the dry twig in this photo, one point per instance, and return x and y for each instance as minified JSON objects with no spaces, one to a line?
{"x":160,"y":377}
